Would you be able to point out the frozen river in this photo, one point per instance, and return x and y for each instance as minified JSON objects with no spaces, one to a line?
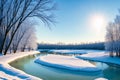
{"x":26,"y":64}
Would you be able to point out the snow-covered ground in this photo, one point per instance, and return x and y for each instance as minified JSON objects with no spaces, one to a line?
{"x":100,"y":57}
{"x":8,"y":72}
{"x":101,"y":79}
{"x":74,"y":51}
{"x":67,"y":62}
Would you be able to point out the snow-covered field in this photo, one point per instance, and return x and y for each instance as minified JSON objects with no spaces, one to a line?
{"x":67,"y":62}
{"x":10,"y":73}
{"x":100,"y":57}
{"x":74,"y":51}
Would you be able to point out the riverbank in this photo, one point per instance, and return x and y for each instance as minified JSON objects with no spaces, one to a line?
{"x":8,"y":72}
{"x":100,"y":57}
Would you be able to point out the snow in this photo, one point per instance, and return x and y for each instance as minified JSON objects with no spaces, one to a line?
{"x":4,"y":76}
{"x":8,"y":72}
{"x":100,"y":57}
{"x":101,"y":79}
{"x":67,"y":62}
{"x":74,"y":51}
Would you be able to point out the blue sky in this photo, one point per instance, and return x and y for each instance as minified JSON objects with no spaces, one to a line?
{"x":74,"y":19}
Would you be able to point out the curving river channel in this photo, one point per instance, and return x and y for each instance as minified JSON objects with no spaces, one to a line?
{"x":26,"y":64}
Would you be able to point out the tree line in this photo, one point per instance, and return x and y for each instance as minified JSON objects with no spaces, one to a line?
{"x":96,"y":45}
{"x":17,"y":31}
{"x":113,"y":37}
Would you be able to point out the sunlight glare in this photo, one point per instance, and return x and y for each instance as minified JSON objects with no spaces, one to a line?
{"x":98,"y":22}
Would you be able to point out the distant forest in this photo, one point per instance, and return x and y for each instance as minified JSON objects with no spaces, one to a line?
{"x":97,"y":46}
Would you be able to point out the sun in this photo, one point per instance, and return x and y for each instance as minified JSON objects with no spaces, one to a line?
{"x":98,"y":22}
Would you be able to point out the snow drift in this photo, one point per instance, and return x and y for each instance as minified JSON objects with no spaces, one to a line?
{"x":67,"y":62}
{"x":100,"y":57}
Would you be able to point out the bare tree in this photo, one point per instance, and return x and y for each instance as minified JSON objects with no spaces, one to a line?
{"x":29,"y":41}
{"x":24,"y":36}
{"x":113,"y":37}
{"x":17,"y":11}
{"x":109,"y":45}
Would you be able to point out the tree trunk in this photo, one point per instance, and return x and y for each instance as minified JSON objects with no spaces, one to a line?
{"x":3,"y":42}
{"x":111,"y":54}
